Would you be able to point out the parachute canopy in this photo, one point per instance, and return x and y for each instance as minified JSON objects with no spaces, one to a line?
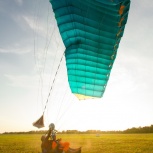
{"x":91,"y":31}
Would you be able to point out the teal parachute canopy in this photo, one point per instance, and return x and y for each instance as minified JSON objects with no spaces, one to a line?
{"x":91,"y":31}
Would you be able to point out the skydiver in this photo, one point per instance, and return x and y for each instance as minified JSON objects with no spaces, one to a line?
{"x":53,"y":145}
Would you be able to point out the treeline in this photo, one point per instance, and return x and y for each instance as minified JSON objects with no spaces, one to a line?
{"x":146,"y":129}
{"x":67,"y":132}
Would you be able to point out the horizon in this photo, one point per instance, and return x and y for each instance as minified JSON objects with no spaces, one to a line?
{"x":40,"y":130}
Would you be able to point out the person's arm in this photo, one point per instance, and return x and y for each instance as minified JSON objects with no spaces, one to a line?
{"x":48,"y":135}
{"x":54,"y":136}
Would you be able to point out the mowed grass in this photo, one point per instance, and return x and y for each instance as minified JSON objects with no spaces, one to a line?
{"x":90,"y":143}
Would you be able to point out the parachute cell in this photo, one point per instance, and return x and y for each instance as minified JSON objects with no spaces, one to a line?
{"x":91,"y":31}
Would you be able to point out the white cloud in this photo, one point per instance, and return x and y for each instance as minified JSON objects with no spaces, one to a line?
{"x":19,"y":2}
{"x":39,"y":26}
{"x":30,"y":82}
{"x":16,"y":48}
{"x":21,"y":81}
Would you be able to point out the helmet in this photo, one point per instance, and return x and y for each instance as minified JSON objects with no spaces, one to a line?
{"x":52,"y":126}
{"x":43,"y":137}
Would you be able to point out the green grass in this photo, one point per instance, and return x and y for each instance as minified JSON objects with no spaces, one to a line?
{"x":90,"y":143}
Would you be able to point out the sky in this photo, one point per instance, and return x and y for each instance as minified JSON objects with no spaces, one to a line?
{"x":30,"y":52}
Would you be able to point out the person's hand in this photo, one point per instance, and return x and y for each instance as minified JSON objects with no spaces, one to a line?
{"x":59,"y":139}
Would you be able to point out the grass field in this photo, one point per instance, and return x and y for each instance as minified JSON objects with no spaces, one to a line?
{"x":90,"y":143}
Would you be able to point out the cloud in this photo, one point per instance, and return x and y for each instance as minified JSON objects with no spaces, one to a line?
{"x":16,"y":48}
{"x":29,"y":81}
{"x":138,"y":34}
{"x":19,"y":2}
{"x":30,"y":28}
{"x":21,"y":81}
{"x":36,"y":26}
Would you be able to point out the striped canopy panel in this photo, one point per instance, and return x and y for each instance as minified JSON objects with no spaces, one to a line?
{"x":91,"y":31}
